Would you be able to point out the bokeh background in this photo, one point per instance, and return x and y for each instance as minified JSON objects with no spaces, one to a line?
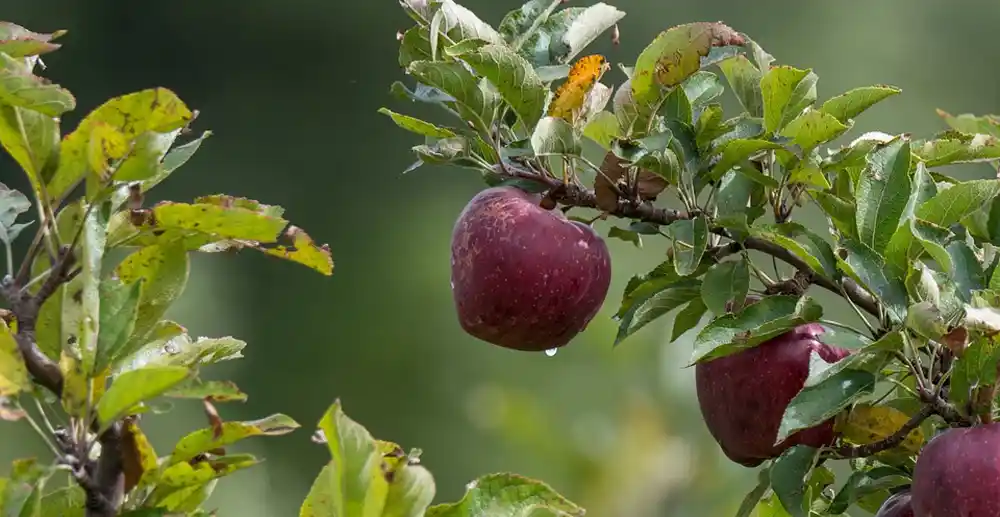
{"x":291,"y":90}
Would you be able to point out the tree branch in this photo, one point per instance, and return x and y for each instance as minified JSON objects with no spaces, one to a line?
{"x":103,"y":481}
{"x":569,"y":194}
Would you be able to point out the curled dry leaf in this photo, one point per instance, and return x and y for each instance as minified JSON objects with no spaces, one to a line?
{"x":214,"y":420}
{"x":613,"y":171}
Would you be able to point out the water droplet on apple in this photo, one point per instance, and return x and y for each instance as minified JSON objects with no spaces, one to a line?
{"x":551,"y":352}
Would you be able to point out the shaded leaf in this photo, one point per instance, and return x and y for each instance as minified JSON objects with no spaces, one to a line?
{"x":951,"y":205}
{"x":813,"y":249}
{"x":688,"y":318}
{"x":690,"y":242}
{"x":954,"y":147}
{"x":820,"y":402}
{"x":458,"y":82}
{"x":554,"y":136}
{"x":16,"y":41}
{"x":869,"y":269}
{"x":789,"y":473}
{"x":744,"y":79}
{"x":727,"y":282}
{"x":140,"y":463}
{"x":736,"y":151}
{"x":12,"y":204}
{"x":118,"y":311}
{"x":653,"y":301}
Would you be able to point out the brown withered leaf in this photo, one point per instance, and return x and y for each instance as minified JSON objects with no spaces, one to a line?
{"x":649,"y":184}
{"x":214,"y":420}
{"x":138,"y":456}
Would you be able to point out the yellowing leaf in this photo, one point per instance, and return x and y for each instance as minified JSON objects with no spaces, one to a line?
{"x":158,"y":110}
{"x":107,"y":144}
{"x":13,"y":373}
{"x":204,"y":440}
{"x":570,"y":96}
{"x":138,"y":456}
{"x":304,"y":251}
{"x":868,"y":424}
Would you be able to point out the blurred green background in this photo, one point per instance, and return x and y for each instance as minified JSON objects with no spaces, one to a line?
{"x":291,"y":90}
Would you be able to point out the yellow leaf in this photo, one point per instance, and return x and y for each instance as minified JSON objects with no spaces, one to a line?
{"x":867,"y":424}
{"x":304,"y":251}
{"x":106,"y":144}
{"x":572,"y":94}
{"x":13,"y":373}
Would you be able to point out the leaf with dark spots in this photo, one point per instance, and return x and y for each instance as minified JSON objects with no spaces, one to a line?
{"x":138,"y":456}
{"x":204,"y":440}
{"x":157,"y":110}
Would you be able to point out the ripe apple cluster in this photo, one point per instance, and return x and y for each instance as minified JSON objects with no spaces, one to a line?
{"x":525,"y":277}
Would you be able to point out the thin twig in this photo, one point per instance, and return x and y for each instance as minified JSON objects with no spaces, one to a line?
{"x":870,"y":449}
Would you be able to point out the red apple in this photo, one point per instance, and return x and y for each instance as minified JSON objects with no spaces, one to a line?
{"x":524,"y":277}
{"x":744,"y":395}
{"x":897,"y":505}
{"x":958,"y":474}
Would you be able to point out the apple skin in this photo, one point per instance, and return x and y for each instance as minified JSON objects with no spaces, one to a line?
{"x":744,"y":395}
{"x":958,"y":474}
{"x":524,"y":277}
{"x":897,"y":505}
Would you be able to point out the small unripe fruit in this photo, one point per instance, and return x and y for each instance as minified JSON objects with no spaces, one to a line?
{"x":524,"y":277}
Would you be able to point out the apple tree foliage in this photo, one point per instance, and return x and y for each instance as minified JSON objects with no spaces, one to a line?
{"x":911,"y":250}
{"x":85,"y":349}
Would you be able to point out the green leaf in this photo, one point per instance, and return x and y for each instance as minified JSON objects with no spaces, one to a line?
{"x":861,"y":484}
{"x":554,"y":135}
{"x":869,"y":269}
{"x":508,"y":495}
{"x":209,"y":438}
{"x":217,"y":391}
{"x":688,"y":318}
{"x":173,"y":160}
{"x":702,"y":88}
{"x":690,"y":241}
{"x":789,"y":473}
{"x":603,"y":128}
{"x":366,"y":476}
{"x":736,"y":151}
{"x":977,"y":367}
{"x":513,"y":77}
{"x":82,"y":297}
{"x":852,"y":103}
{"x":415,"y":125}
{"x":958,"y":201}
{"x":653,"y":301}
{"x":137,"y":386}
{"x":813,"y":128}
{"x":64,"y":502}
{"x":726,"y":282}
{"x":744,"y":79}
{"x":671,"y":58}
{"x":820,"y":402}
{"x":155,"y":110}
{"x":457,"y":22}
{"x":12,"y":204}
{"x":754,"y":496}
{"x":119,"y":308}
{"x":162,"y":270}
{"x":810,"y":176}
{"x":567,"y":32}
{"x":922,"y":188}
{"x":966,"y":270}
{"x":20,"y":88}
{"x":457,"y":81}
{"x":883,"y":191}
{"x":912,"y":239}
{"x":841,"y":212}
{"x":172,"y":347}
{"x":734,"y":194}
{"x":954,"y":147}
{"x":13,"y":372}
{"x":17,"y":42}
{"x":971,"y":124}
{"x":786,"y":92}
{"x":226,"y":222}
{"x":31,"y":138}
{"x":626,"y":235}
{"x":753,"y":325}
{"x":446,"y":151}
{"x":520,"y":24}
{"x":814,"y":251}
